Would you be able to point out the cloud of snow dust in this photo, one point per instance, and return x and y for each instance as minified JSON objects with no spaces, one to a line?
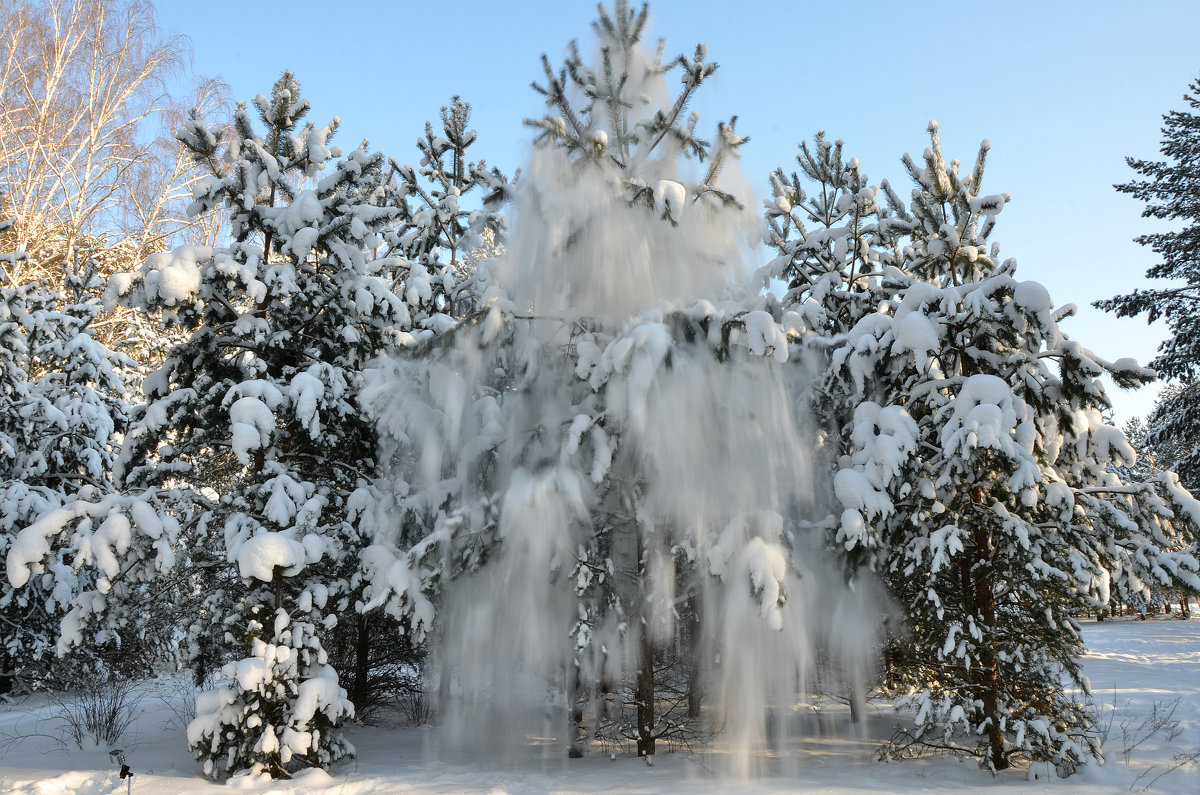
{"x":627,"y":329}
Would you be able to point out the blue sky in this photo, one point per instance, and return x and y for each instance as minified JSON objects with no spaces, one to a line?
{"x":1063,"y":90}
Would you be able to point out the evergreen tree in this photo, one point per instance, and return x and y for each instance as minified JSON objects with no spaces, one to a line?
{"x":1171,"y":190}
{"x":252,"y":457}
{"x":437,"y":229}
{"x":975,"y":475}
{"x":62,"y":410}
{"x":555,"y":397}
{"x":1173,"y":432}
{"x":1132,"y":584}
{"x":257,"y":412}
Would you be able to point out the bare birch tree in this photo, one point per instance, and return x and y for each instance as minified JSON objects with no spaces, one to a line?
{"x":87,"y":118}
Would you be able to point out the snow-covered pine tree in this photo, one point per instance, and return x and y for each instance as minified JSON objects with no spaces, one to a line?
{"x":14,"y":379}
{"x":835,"y":243}
{"x":436,"y":252}
{"x":258,"y":414}
{"x":437,"y":228}
{"x":975,"y":476}
{"x":1173,"y":431}
{"x":73,"y":612}
{"x":1159,"y":451}
{"x":665,"y":568}
{"x":837,"y":239}
{"x":1171,"y":189}
{"x":572,"y":461}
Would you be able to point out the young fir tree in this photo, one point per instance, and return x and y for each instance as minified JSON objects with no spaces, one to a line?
{"x":1170,"y":188}
{"x":257,"y":412}
{"x":975,"y":476}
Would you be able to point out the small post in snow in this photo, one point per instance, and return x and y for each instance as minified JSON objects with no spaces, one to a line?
{"x":118,"y":755}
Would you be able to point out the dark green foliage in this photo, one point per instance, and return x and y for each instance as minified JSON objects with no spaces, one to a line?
{"x":1171,"y":190}
{"x":1173,"y":432}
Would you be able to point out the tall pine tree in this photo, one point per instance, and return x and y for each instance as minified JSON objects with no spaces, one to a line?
{"x":1171,"y":190}
{"x":559,"y":455}
{"x":257,"y":411}
{"x":972,"y":468}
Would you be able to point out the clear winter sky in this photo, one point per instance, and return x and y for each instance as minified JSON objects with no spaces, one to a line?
{"x":1063,"y":90}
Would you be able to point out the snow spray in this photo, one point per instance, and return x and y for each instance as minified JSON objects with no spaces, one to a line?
{"x":647,"y":489}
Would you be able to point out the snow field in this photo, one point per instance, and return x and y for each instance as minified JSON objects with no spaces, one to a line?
{"x":1133,"y":666}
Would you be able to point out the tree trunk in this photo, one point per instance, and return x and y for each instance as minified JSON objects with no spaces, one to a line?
{"x":362,"y":664}
{"x":644,"y":693}
{"x":695,"y":670}
{"x":890,"y":663}
{"x":576,"y":730}
{"x":645,"y":698}
{"x":988,"y":675}
{"x":7,"y":678}
{"x":444,"y":686}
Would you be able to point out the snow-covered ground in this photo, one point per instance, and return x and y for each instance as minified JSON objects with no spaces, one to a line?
{"x":1136,"y":668}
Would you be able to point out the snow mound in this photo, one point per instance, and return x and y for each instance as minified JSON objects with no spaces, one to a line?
{"x":258,"y":556}
{"x":173,"y":277}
